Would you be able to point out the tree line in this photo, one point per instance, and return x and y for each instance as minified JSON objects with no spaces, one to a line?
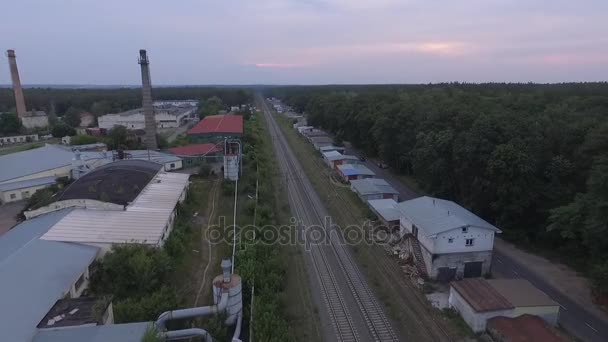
{"x":68,"y":103}
{"x":530,"y":158}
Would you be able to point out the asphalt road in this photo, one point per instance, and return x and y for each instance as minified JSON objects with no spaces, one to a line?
{"x":348,"y":309}
{"x":574,"y":318}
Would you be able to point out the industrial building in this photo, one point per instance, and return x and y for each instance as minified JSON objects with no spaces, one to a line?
{"x":373,"y":188}
{"x":194,"y":155}
{"x":128,"y":201}
{"x":446,"y":240}
{"x":23,"y":173}
{"x":36,"y":273}
{"x":215,"y":128}
{"x":350,"y":172}
{"x":165,"y":117}
{"x":478,"y":300}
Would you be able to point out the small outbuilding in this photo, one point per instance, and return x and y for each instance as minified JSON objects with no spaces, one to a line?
{"x":354,"y":171}
{"x":373,"y":188}
{"x":335,"y":158}
{"x":477,"y":300}
{"x":387,"y":212}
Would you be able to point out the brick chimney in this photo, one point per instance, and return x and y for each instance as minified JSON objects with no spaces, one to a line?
{"x":146,"y":89}
{"x":19,"y":100}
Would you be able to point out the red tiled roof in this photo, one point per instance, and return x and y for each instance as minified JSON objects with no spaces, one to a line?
{"x":480,"y":295}
{"x":195,"y":150}
{"x":219,"y":124}
{"x":525,"y":328}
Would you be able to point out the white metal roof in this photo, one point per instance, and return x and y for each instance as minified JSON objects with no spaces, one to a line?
{"x":369,"y":186}
{"x":433,"y":216}
{"x":144,"y":221}
{"x":162,"y":193}
{"x":335,"y":155}
{"x":387,"y":208}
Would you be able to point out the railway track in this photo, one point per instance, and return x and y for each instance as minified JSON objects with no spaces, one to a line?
{"x":331,"y":258}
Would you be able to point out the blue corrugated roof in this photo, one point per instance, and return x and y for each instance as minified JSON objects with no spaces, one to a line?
{"x":40,"y":159}
{"x":33,"y":161}
{"x":35,"y":274}
{"x":433,"y":215}
{"x":131,"y":332}
{"x":27,"y":183}
{"x":355,"y":169}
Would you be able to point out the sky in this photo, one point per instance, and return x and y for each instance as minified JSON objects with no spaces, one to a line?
{"x":305,"y":41}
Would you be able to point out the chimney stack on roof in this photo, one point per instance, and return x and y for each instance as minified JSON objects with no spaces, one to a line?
{"x":146,"y":89}
{"x":19,"y":100}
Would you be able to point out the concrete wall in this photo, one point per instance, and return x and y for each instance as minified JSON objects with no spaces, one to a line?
{"x":63,"y":171}
{"x":20,"y":194}
{"x":73,"y":203}
{"x":76,"y":292}
{"x":475,"y":320}
{"x":31,"y":122}
{"x":483,"y":240}
{"x":18,"y":139}
{"x":549,"y":313}
{"x":458,"y":261}
{"x":174,"y":165}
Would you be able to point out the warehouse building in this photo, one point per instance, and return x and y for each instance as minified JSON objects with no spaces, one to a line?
{"x":135,"y":201}
{"x":194,"y":155}
{"x":350,"y":172}
{"x":215,"y":128}
{"x":447,"y":240}
{"x":478,"y":300}
{"x":165,"y":116}
{"x":36,"y":273}
{"x":23,"y":173}
{"x":373,"y":188}
{"x":42,"y":286}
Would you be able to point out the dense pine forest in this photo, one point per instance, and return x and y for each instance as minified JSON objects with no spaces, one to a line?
{"x":532,"y":159}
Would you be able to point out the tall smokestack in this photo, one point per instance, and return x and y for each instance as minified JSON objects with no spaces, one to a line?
{"x":146,"y":89}
{"x":19,"y":101}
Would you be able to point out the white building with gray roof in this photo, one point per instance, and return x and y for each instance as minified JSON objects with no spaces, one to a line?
{"x":447,"y":239}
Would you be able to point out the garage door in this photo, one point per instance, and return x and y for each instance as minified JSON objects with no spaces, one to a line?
{"x":446,"y":274}
{"x":472,"y":269}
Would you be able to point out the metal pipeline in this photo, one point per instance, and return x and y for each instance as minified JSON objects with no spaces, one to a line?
{"x":166,"y":316}
{"x":237,"y":330}
{"x":187,"y":333}
{"x":162,"y":320}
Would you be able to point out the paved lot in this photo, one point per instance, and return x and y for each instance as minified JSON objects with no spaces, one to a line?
{"x":7,"y":215}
